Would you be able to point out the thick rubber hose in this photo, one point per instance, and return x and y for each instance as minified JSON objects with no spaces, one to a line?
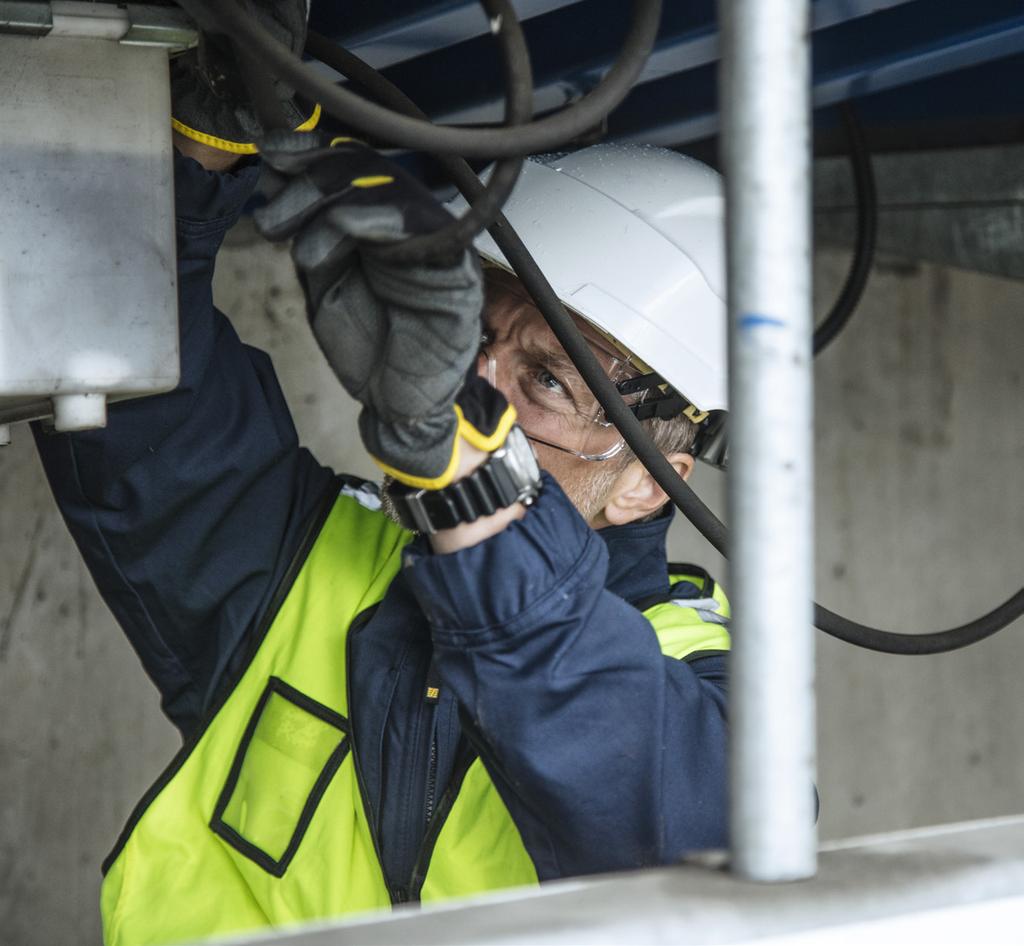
{"x":935,"y":642}
{"x":420,"y":134}
{"x":867,"y":231}
{"x":639,"y":440}
{"x":452,"y":239}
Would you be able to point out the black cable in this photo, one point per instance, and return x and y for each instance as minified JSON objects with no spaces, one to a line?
{"x":640,"y":442}
{"x":867,"y":230}
{"x":936,"y":642}
{"x":420,"y":134}
{"x":866,"y":199}
{"x":451,"y":239}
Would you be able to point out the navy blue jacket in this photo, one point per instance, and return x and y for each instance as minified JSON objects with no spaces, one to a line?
{"x":190,"y":506}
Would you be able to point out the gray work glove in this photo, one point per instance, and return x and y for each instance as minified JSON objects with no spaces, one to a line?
{"x":209,"y":100}
{"x":402,"y":338}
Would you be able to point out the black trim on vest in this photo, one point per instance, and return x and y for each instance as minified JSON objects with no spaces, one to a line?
{"x":651,"y":600}
{"x":686,"y":568}
{"x":465,"y":758}
{"x":701,"y":654}
{"x":229,"y":834}
{"x":312,"y":533}
{"x":358,"y":623}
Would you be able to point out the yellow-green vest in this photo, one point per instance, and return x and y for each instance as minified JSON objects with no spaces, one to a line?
{"x":259,"y":820}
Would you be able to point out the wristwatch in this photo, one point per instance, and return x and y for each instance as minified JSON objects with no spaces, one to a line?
{"x":510,"y":475}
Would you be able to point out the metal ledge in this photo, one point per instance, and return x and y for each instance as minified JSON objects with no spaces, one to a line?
{"x":912,"y":882}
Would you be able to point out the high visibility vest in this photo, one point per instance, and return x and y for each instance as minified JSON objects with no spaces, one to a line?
{"x":259,"y":821}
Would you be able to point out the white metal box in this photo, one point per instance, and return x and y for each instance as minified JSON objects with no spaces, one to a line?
{"x":88,"y":301}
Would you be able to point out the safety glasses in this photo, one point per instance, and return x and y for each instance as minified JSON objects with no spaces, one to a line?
{"x":521,"y":357}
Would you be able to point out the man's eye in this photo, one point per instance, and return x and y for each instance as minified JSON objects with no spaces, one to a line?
{"x":549,"y":382}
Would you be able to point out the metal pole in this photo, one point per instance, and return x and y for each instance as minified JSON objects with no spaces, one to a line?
{"x":764,"y":89}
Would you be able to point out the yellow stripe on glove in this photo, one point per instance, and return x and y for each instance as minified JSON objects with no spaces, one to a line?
{"x":486,"y":443}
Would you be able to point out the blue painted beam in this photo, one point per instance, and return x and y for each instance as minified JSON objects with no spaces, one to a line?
{"x":672,"y":55}
{"x":975,"y":47}
{"x":440,"y":53}
{"x":425,"y":30}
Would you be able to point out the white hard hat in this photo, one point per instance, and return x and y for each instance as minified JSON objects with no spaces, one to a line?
{"x":632,"y":237}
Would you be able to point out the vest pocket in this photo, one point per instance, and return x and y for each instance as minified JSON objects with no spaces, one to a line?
{"x":289,"y":753}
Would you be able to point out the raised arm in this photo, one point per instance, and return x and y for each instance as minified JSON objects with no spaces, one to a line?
{"x":189,"y":506}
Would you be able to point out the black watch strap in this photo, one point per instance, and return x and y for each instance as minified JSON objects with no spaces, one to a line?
{"x":509,"y":476}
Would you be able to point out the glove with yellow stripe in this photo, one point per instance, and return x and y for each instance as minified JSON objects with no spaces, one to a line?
{"x":402,"y":338}
{"x":209,"y":100}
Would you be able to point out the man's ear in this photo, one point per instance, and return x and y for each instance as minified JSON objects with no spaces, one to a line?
{"x":635,"y":493}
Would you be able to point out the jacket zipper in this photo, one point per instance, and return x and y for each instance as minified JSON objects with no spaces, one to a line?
{"x":464,"y":759}
{"x":431,"y":696}
{"x":431,"y":777}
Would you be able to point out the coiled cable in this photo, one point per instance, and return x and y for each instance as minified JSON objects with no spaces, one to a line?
{"x":453,"y":238}
{"x":420,"y":134}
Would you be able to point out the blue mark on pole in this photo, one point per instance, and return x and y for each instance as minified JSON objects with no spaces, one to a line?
{"x":754,"y":320}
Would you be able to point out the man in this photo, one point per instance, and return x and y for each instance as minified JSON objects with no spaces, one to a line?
{"x":520,"y":693}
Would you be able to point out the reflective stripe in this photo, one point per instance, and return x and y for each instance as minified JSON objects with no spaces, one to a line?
{"x":698,"y":604}
{"x":705,"y":608}
{"x":366,"y":495}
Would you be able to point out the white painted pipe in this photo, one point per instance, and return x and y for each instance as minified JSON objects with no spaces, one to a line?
{"x":764,"y":88}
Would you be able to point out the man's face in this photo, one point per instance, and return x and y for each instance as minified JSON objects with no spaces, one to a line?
{"x":523,"y":359}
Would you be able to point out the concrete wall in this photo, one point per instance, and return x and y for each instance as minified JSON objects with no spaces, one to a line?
{"x":920,"y":439}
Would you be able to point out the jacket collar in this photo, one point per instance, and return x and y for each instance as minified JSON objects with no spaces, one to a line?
{"x":637,"y":557}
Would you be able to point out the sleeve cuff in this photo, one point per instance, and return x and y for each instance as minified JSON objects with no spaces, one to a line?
{"x":491,"y":589}
{"x":210,"y":201}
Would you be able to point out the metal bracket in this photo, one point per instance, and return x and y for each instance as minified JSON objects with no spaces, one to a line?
{"x":131,"y":24}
